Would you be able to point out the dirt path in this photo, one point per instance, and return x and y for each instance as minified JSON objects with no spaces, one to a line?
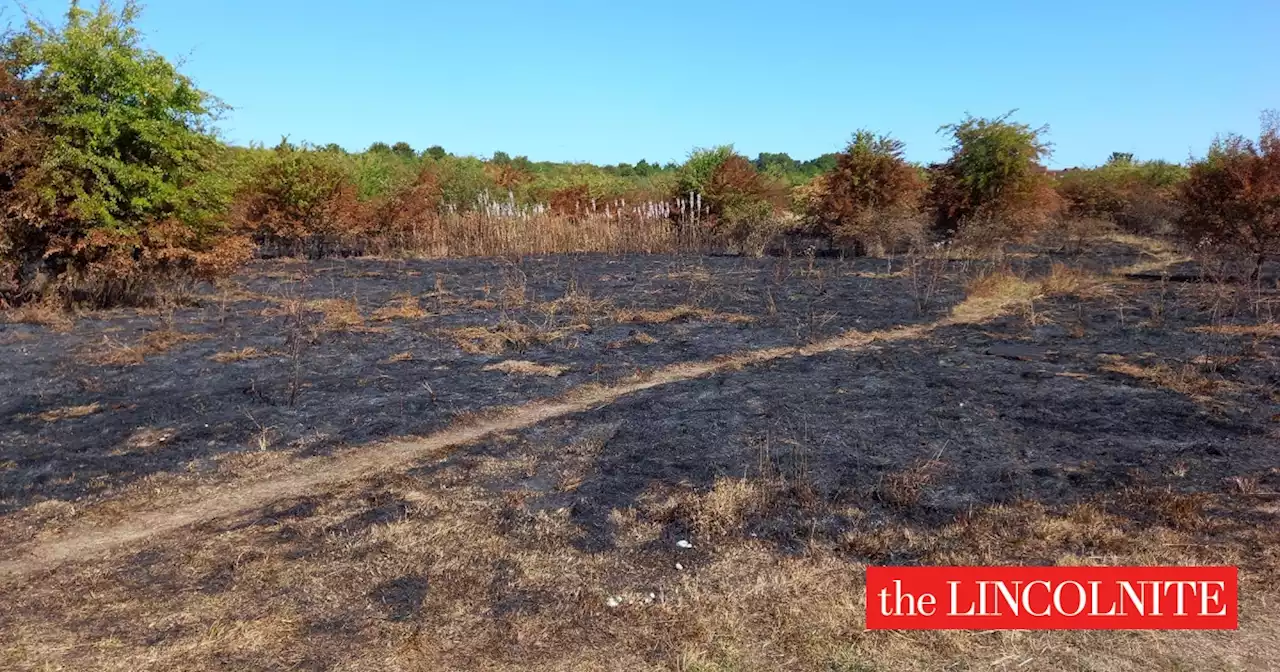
{"x":313,"y":474}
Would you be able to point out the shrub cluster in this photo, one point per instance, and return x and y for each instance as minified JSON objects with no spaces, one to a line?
{"x":111,"y":179}
{"x":869,"y":200}
{"x":993,"y":188}
{"x":1138,"y":197}
{"x":114,"y":185}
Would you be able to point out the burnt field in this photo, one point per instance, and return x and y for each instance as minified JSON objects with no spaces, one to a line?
{"x":587,"y":462}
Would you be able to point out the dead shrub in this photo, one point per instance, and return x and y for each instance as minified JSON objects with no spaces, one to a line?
{"x":868,"y":201}
{"x":1232,"y":198}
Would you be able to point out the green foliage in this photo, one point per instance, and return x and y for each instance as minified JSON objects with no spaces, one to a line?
{"x":131,"y":138}
{"x":297,"y":201}
{"x":696,"y":173}
{"x":740,"y":204}
{"x":435,"y":152}
{"x":1137,"y":196}
{"x":127,"y":184}
{"x":994,"y":178}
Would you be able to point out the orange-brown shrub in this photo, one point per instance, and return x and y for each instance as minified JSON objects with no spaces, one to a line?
{"x":506,"y":175}
{"x":1232,"y":198}
{"x":21,"y":145}
{"x":573,"y":201}
{"x":154,"y":264}
{"x":300,"y":202}
{"x":869,"y":199}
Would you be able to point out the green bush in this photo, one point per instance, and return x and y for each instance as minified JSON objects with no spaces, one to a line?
{"x":126,"y":145}
{"x":993,"y":188}
{"x":1139,"y":197}
{"x":725,"y":195}
{"x":297,"y":201}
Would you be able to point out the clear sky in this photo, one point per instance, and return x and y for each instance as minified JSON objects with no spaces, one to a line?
{"x":609,"y":81}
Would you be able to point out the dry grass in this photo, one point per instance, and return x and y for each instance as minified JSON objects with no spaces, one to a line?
{"x":404,"y":308}
{"x":405,"y":356}
{"x":461,"y":577}
{"x":153,"y":343}
{"x":517,"y":367}
{"x":1189,"y":379}
{"x":1267,"y":330}
{"x":41,"y":313}
{"x":992,"y":293}
{"x":67,"y":412}
{"x":506,"y":336}
{"x":1065,"y":280}
{"x":240,"y":355}
{"x":677,"y":313}
{"x":339,"y":314}
{"x":905,"y":487}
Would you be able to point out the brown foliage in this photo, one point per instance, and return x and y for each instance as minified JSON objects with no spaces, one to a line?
{"x":299,"y":203}
{"x":572,"y":201}
{"x":408,"y":209}
{"x":743,"y":206}
{"x":506,"y":175}
{"x":1232,"y":198}
{"x":870,"y":197}
{"x":21,"y":146}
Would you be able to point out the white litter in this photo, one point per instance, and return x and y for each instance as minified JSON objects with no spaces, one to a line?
{"x":614,"y":602}
{"x":684,"y":544}
{"x":679,"y":566}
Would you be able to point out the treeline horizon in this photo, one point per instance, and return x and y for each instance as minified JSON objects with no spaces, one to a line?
{"x":115,"y":184}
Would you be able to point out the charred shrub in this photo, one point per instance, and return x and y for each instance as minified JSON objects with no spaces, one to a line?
{"x":113,"y":185}
{"x":299,"y":202}
{"x":993,"y":189}
{"x":869,"y":200}
{"x":1232,"y":198}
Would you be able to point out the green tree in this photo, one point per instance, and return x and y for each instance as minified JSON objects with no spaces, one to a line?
{"x":403,"y":150}
{"x":994,"y":180}
{"x":436,"y":152}
{"x":500,"y":158}
{"x":131,"y":158}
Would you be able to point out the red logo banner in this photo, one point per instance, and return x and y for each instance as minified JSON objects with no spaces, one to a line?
{"x":1052,"y":598}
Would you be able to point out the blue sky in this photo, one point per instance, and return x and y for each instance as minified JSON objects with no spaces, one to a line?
{"x":619,"y":81}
